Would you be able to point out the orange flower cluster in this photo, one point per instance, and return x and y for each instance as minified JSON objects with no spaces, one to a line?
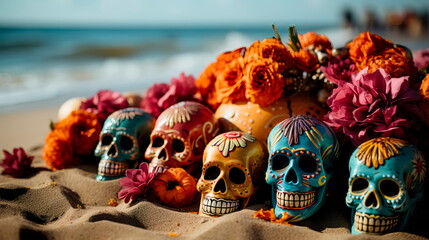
{"x":260,"y":73}
{"x":255,"y":74}
{"x":74,"y":136}
{"x":306,"y":59}
{"x":175,"y":188}
{"x":372,"y":51}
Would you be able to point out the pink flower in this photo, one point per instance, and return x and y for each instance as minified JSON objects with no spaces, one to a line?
{"x":339,"y":70}
{"x":162,"y":95}
{"x":136,"y":182}
{"x":18,"y":164}
{"x":373,"y":105}
{"x":151,"y":99}
{"x":421,"y":58}
{"x":105,"y":102}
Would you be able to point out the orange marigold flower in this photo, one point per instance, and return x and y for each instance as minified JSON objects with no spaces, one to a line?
{"x":270,"y":48}
{"x":83,"y":128}
{"x":175,"y":188}
{"x":305,"y":60}
{"x":205,"y":83}
{"x":269,"y":215}
{"x":365,"y":45}
{"x":58,"y":151}
{"x":317,"y":41}
{"x":393,"y":61}
{"x":229,"y":84}
{"x":424,"y":87}
{"x":264,"y":82}
{"x":230,"y":56}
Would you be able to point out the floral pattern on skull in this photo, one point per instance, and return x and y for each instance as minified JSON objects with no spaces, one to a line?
{"x":180,"y":135}
{"x":123,"y":140}
{"x":387,"y":177}
{"x":302,"y":151}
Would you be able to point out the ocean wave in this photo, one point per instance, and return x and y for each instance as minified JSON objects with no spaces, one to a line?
{"x":51,"y":84}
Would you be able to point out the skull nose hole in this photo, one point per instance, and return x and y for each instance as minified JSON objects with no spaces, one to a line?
{"x":371,"y":201}
{"x":162,"y":154}
{"x":291,"y":176}
{"x":220,"y":186}
{"x":112,"y":151}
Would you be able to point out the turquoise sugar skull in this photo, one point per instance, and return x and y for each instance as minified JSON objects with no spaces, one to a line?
{"x":387,"y":178}
{"x":302,"y":151}
{"x":123,"y":140}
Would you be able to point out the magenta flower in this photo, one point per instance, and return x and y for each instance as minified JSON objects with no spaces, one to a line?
{"x":136,"y":182}
{"x":162,"y":95}
{"x":339,"y":70}
{"x":150,"y":101}
{"x":421,"y":58}
{"x":105,"y":102}
{"x":18,"y":164}
{"x":373,"y":105}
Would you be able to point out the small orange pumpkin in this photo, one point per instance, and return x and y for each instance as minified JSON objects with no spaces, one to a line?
{"x":175,"y":188}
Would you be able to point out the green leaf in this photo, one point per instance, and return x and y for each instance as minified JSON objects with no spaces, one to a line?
{"x":276,"y":32}
{"x":294,"y":40}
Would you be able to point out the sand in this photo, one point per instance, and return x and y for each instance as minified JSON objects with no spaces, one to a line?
{"x":70,"y":204}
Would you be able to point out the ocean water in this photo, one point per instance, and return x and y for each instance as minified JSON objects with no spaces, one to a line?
{"x":45,"y":67}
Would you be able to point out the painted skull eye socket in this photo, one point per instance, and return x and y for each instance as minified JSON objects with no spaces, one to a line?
{"x":237,"y":176}
{"x":280,"y":162}
{"x":389,"y":188}
{"x":157,"y":142}
{"x":307,"y":163}
{"x":126,"y":142}
{"x":211,"y":173}
{"x":106,"y":139}
{"x":178,"y":146}
{"x":359,"y":186}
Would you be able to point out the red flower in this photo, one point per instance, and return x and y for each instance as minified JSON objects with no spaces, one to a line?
{"x":16,"y":164}
{"x":105,"y":102}
{"x":339,"y":70}
{"x":152,"y":96}
{"x":136,"y":182}
{"x":160,"y":96}
{"x":373,"y":105}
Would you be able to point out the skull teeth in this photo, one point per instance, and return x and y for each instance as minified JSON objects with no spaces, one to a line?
{"x":374,"y":223}
{"x":219,"y":206}
{"x":111,"y":168}
{"x":295,"y":200}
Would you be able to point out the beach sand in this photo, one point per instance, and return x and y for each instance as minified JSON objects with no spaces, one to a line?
{"x":70,"y":204}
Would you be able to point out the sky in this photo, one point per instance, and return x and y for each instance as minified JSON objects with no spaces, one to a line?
{"x":187,"y":12}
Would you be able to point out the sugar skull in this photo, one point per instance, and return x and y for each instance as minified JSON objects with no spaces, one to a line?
{"x":387,"y":177}
{"x":180,"y":135}
{"x":233,"y":168}
{"x":123,"y":140}
{"x":302,"y":152}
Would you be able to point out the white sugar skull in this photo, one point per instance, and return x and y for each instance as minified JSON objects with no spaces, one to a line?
{"x":123,"y":140}
{"x":302,"y":151}
{"x":387,"y":177}
{"x":180,"y":135}
{"x":233,"y":168}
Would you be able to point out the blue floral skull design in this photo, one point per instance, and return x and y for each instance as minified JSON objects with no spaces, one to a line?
{"x":302,"y":151}
{"x":387,"y":178}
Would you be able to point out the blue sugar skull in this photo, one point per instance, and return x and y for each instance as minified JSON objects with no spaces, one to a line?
{"x":387,"y":178}
{"x":302,"y":152}
{"x":123,"y":140}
